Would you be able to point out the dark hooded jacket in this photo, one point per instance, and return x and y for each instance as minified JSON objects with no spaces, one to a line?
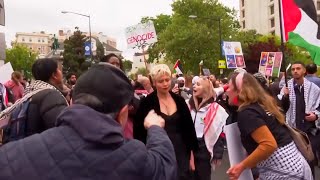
{"x":88,"y":145}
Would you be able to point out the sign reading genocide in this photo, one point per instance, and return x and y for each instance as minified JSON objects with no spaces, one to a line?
{"x":141,"y":35}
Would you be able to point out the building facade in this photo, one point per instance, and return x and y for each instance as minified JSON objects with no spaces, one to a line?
{"x":263,"y":15}
{"x":42,"y":42}
{"x":37,"y":42}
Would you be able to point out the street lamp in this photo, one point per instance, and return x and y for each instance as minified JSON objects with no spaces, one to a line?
{"x":88,"y":16}
{"x":220,"y":33}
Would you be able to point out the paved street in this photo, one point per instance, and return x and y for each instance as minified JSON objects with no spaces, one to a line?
{"x":220,"y":173}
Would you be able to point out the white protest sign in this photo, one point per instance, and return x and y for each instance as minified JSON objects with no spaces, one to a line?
{"x":5,"y":72}
{"x":236,"y":151}
{"x":234,"y":55}
{"x":141,"y":35}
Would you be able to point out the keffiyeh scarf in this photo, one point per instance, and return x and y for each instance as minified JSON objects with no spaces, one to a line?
{"x":311,"y":98}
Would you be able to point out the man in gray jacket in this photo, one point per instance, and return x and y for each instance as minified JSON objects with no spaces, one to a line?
{"x":88,"y":142}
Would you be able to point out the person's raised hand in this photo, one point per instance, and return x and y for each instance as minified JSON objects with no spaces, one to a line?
{"x":153,"y":119}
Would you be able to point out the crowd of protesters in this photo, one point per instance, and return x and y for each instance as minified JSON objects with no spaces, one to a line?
{"x":161,"y":126}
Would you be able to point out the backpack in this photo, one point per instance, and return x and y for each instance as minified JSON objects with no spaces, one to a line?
{"x":13,"y":120}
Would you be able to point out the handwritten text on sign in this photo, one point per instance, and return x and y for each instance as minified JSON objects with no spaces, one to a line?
{"x":141,"y":35}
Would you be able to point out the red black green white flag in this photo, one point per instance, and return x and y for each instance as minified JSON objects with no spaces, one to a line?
{"x":300,"y":26}
{"x":178,"y":67}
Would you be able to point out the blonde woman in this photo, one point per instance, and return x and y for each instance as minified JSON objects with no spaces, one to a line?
{"x":268,"y":143}
{"x":206,"y":114}
{"x":178,"y":123}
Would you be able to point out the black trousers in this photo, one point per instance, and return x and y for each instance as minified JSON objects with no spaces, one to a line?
{"x":315,"y":143}
{"x":202,"y":162}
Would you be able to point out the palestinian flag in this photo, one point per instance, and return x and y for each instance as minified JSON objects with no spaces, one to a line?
{"x":178,"y":67}
{"x":300,"y":26}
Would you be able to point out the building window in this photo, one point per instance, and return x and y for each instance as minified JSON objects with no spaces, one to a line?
{"x":140,"y":60}
{"x":318,"y":5}
{"x":242,"y":3}
{"x":243,"y":24}
{"x":39,"y":40}
{"x":272,"y":22}
{"x":30,"y":40}
{"x":43,"y":40}
{"x":23,"y":39}
{"x":272,"y":9}
{"x":243,"y":13}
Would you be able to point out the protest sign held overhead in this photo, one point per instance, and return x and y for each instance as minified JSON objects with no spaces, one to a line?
{"x":234,"y":55}
{"x":141,"y":35}
{"x":270,"y":63}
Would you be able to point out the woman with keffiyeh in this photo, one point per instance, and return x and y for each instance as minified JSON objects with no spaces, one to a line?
{"x":267,"y":141}
{"x":208,"y":118}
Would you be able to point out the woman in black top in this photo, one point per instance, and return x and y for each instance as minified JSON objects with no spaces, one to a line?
{"x":263,"y":135}
{"x":174,"y":110}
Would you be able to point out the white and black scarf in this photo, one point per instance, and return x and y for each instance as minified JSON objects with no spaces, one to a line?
{"x":311,"y":99}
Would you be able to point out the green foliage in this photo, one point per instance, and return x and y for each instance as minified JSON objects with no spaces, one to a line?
{"x":73,"y":55}
{"x":21,"y":59}
{"x":142,"y":71}
{"x":193,"y":40}
{"x":127,"y":65}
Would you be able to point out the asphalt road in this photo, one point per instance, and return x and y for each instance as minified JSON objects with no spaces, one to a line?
{"x":220,"y":172}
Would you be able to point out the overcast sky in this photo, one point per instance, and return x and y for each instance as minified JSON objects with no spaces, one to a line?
{"x":108,"y":16}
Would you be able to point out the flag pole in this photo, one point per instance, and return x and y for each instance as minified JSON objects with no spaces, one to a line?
{"x":282,"y":48}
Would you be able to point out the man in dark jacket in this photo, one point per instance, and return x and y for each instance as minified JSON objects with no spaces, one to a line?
{"x":88,"y":143}
{"x":47,"y":104}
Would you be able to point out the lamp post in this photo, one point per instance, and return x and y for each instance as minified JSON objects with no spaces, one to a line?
{"x":220,"y":33}
{"x":88,"y":16}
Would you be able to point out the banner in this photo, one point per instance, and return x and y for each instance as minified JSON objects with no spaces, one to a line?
{"x":234,"y":55}
{"x":270,"y":63}
{"x":236,"y":151}
{"x":2,"y":14}
{"x":87,"y":47}
{"x":141,"y":35}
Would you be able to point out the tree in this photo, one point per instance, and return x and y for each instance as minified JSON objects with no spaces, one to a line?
{"x":127,"y":65}
{"x":142,"y":71}
{"x":73,"y":55}
{"x":21,"y":59}
{"x":193,"y":40}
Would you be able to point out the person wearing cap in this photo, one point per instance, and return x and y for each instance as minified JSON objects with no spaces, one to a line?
{"x":88,"y":141}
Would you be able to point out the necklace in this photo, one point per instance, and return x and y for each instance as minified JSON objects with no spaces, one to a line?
{"x":166,"y":106}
